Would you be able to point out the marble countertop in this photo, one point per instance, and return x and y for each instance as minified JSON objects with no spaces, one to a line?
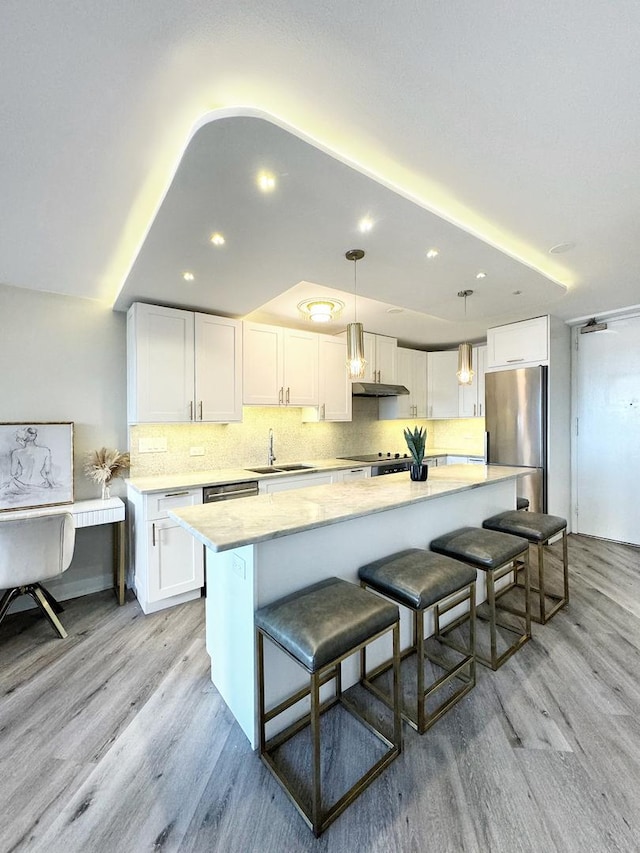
{"x":232,"y":524}
{"x":217,"y":476}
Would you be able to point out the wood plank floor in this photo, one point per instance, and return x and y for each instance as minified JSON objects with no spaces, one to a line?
{"x":116,"y":740}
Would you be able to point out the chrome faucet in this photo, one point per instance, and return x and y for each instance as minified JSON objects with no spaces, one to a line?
{"x":270,"y":455}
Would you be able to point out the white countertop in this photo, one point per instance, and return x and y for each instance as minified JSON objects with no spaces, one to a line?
{"x":232,"y":524}
{"x":217,"y":476}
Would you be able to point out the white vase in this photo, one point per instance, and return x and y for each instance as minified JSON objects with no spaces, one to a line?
{"x":106,"y":491}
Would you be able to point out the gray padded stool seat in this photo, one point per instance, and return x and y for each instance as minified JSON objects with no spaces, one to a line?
{"x":537,"y":528}
{"x":498,"y":555}
{"x":522,"y":503}
{"x":419,"y":580}
{"x":318,"y":627}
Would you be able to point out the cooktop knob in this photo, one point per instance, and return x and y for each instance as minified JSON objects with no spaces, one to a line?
{"x":396,"y":456}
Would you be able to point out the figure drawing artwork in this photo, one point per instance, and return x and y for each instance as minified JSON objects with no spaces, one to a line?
{"x":36,"y":465}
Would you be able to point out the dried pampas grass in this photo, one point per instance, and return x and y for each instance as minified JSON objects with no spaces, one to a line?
{"x":105,"y":465}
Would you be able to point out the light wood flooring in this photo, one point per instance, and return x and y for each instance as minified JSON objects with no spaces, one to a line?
{"x":116,"y":740}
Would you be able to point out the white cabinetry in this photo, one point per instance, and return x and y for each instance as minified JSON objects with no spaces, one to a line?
{"x":280,"y":366}
{"x":335,"y":398}
{"x":380,"y":353}
{"x":471,"y":397}
{"x":299,"y":481}
{"x":352,"y":474}
{"x":168,"y":561}
{"x":435,"y":461}
{"x":518,"y":344}
{"x":442,"y":384}
{"x":411,"y":372}
{"x":182,"y":366}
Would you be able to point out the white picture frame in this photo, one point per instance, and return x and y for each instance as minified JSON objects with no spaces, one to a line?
{"x":36,"y":465}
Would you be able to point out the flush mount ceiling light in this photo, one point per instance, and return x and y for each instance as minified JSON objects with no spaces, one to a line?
{"x":465,"y":353}
{"x":355,"y":333}
{"x":320,"y":310}
{"x":217,"y":239}
{"x":266,"y":181}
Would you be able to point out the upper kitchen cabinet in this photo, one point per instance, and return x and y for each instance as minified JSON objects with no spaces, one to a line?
{"x":380,"y":353}
{"x":442,"y":384}
{"x":280,"y":366}
{"x":520,"y":344}
{"x":335,"y":398}
{"x":471,"y":397}
{"x":412,"y":372}
{"x":182,"y":366}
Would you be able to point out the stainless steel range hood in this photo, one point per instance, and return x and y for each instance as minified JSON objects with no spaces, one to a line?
{"x":377,"y":389}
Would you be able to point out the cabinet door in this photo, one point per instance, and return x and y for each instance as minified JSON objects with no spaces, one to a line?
{"x":263,"y":365}
{"x":218,"y":368}
{"x":442,"y":384}
{"x":335,"y":386}
{"x":386,"y":359}
{"x":518,"y":344}
{"x":370,"y":373}
{"x":419,"y":389}
{"x":351,"y":474}
{"x":176,"y":560}
{"x":160,"y":364}
{"x":300,"y":481}
{"x":404,"y":405}
{"x":300,"y":376}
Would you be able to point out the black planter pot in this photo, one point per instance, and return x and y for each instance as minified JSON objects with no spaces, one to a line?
{"x":419,"y":472}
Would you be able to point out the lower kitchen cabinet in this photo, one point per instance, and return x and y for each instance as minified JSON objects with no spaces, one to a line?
{"x":299,"y":481}
{"x":168,"y":562}
{"x":352,"y":474}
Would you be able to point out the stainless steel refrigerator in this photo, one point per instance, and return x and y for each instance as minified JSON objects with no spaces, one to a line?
{"x":516,"y":425}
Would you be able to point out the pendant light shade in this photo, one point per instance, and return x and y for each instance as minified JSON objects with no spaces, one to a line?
{"x":465,"y":353}
{"x":465,"y":373}
{"x":355,"y":333}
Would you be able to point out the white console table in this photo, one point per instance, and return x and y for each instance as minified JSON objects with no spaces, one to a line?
{"x":90,"y":514}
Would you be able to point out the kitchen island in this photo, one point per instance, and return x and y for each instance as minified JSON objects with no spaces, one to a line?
{"x":261,"y":548}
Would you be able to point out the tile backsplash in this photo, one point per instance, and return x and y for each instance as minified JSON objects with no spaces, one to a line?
{"x":241,"y":444}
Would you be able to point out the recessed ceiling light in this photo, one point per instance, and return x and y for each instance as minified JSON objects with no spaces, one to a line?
{"x":432,"y":253}
{"x":560,"y":248}
{"x":266,"y":182}
{"x":217,"y":239}
{"x":394,"y":310}
{"x":365,"y":224}
{"x":188,"y":276}
{"x":320,"y":309}
{"x":481,"y":274}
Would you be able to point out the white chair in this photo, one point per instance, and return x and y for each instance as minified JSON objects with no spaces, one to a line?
{"x":33,"y":550}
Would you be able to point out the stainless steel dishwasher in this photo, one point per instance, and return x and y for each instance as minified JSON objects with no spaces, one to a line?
{"x":229,"y":491}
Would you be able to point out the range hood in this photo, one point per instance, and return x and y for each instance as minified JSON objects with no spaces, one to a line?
{"x":377,"y":389}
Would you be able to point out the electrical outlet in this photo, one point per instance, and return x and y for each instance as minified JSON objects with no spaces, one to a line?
{"x":239,"y":566}
{"x":196,"y":451}
{"x":152,"y":445}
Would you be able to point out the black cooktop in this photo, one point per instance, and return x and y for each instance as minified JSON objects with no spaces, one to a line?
{"x":376,"y":457}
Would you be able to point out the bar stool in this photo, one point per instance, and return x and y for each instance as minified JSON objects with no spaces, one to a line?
{"x":497,"y":554}
{"x":318,"y":627}
{"x":522,"y":503}
{"x":537,"y":528}
{"x":419,"y":580}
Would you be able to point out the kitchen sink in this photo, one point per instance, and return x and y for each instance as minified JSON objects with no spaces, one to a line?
{"x":271,"y":469}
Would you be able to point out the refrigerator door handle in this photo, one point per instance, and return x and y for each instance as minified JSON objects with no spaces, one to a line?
{"x":486,"y":449}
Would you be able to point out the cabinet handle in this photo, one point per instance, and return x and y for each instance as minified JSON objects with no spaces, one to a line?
{"x":153,"y":535}
{"x":175,"y":494}
{"x":287,"y":396}
{"x":379,"y":379}
{"x":280,"y":396}
{"x":474,"y":410}
{"x":190,"y":410}
{"x":480,"y":407}
{"x":512,"y":360}
{"x":200,"y":407}
{"x":323,"y":412}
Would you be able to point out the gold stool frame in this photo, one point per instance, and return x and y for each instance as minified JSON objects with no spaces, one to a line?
{"x":317,"y":817}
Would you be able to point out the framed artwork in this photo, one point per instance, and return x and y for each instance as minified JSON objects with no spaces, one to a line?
{"x":36,"y":465}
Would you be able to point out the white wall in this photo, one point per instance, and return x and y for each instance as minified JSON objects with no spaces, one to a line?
{"x":64,"y":359}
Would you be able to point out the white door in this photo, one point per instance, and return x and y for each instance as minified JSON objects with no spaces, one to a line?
{"x":335,"y":385}
{"x":176,"y":560}
{"x":262,"y":365}
{"x":442,"y":384}
{"x":300,"y":368}
{"x":608,"y":440}
{"x":218,"y":347}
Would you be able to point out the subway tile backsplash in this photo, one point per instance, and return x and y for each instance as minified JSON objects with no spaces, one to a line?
{"x":240,"y":444}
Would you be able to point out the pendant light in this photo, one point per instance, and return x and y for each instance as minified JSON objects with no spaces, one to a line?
{"x":465,"y":353}
{"x":355,"y":333}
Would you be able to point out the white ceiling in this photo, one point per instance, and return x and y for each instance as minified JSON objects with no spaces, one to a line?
{"x":503,"y":128}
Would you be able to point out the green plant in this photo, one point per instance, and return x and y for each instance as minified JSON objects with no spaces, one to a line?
{"x":416,"y":441}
